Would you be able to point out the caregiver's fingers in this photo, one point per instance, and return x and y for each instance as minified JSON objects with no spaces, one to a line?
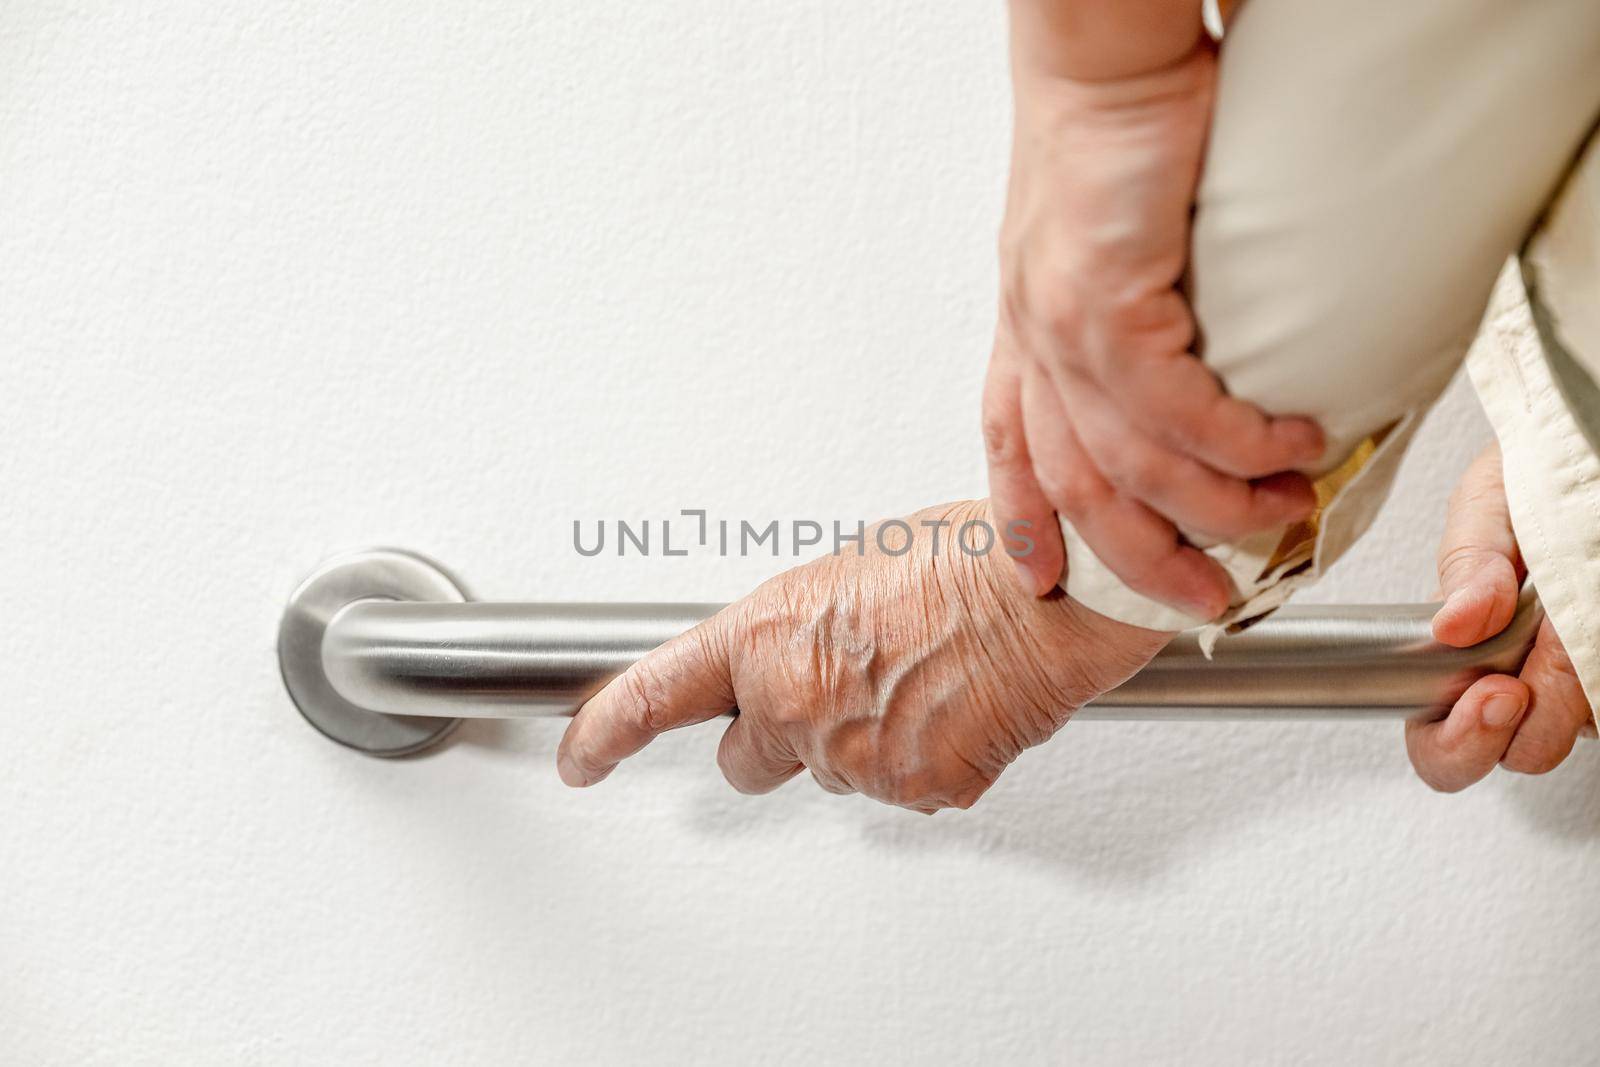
{"x":1182,"y":490}
{"x":1457,"y":751}
{"x":685,"y":681}
{"x":1176,"y":398}
{"x":1020,"y":506}
{"x":1558,"y":711}
{"x":1143,"y":549}
{"x":1480,"y":569}
{"x":753,"y":759}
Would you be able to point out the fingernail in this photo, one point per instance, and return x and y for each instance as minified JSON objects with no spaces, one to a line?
{"x":568,"y":771}
{"x":1030,"y":584}
{"x":1500,"y":709}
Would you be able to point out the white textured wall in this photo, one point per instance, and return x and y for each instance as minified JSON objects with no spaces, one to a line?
{"x":280,"y":279}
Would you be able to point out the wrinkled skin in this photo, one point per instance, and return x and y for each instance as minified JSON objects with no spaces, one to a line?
{"x":1095,"y":407}
{"x":1528,"y":723}
{"x":914,"y":679}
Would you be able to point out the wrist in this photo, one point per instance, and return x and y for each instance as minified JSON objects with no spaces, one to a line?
{"x":1074,"y":651}
{"x":1043,"y":89}
{"x":1102,"y":40}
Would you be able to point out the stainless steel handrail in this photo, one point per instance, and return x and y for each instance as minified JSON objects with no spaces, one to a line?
{"x":382,"y":651}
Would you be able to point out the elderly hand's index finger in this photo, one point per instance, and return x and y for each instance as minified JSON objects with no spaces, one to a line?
{"x":685,"y":681}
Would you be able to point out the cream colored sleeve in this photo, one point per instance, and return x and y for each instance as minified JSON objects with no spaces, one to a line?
{"x":1372,"y":166}
{"x":1535,"y":367}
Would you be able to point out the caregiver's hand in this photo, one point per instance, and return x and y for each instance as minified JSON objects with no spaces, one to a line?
{"x":1095,"y":406}
{"x":914,"y":678}
{"x":1528,"y":723}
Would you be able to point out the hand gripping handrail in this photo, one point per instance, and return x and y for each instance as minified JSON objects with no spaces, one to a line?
{"x":383,"y":651}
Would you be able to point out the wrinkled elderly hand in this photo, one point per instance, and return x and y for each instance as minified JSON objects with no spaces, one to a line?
{"x":1095,"y":407}
{"x":914,"y":678}
{"x":1528,"y":723}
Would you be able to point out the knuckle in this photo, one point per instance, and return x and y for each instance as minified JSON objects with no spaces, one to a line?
{"x":736,"y":780}
{"x":1043,"y":298}
{"x":937,"y":787}
{"x":734,"y":773}
{"x":1191,"y":429}
{"x":830,"y":782}
{"x":1143,"y":471}
{"x":1537,"y":758}
{"x":1099,"y":323}
{"x":789,"y":717}
{"x":1123,"y":315}
{"x":1437,"y":780}
{"x":1054,"y":305}
{"x":1002,"y":444}
{"x":1431,"y":767}
{"x":1015,"y":310}
{"x":1230,"y":518}
{"x":1473,"y":494}
{"x":646,"y":697}
{"x":1145,"y":330}
{"x":1056,"y":482}
{"x":1067,"y":325}
{"x":968,"y":795}
{"x":1236,"y":458}
{"x":1460,"y":559}
{"x":1559,"y":664}
{"x":889,"y":780}
{"x":1228,"y":511}
{"x":1239,"y":431}
{"x":1241,"y":509}
{"x":1073,"y":490}
{"x":907,"y":791}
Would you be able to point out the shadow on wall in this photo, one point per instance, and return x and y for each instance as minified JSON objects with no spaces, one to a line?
{"x":1565,"y":802}
{"x":1122,"y":803}
{"x":1110,"y":804}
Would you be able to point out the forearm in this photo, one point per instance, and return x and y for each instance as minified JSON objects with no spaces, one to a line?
{"x":1101,"y":40}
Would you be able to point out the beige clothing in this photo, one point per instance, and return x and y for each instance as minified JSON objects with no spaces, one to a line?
{"x":1535,"y":367}
{"x":1371,"y":168}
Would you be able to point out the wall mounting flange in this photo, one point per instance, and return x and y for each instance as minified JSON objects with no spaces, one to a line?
{"x":369,"y":574}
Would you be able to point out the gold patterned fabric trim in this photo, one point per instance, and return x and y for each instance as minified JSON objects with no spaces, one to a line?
{"x":1299,"y":541}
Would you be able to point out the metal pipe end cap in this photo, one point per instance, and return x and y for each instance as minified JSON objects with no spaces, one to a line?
{"x":369,"y":574}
